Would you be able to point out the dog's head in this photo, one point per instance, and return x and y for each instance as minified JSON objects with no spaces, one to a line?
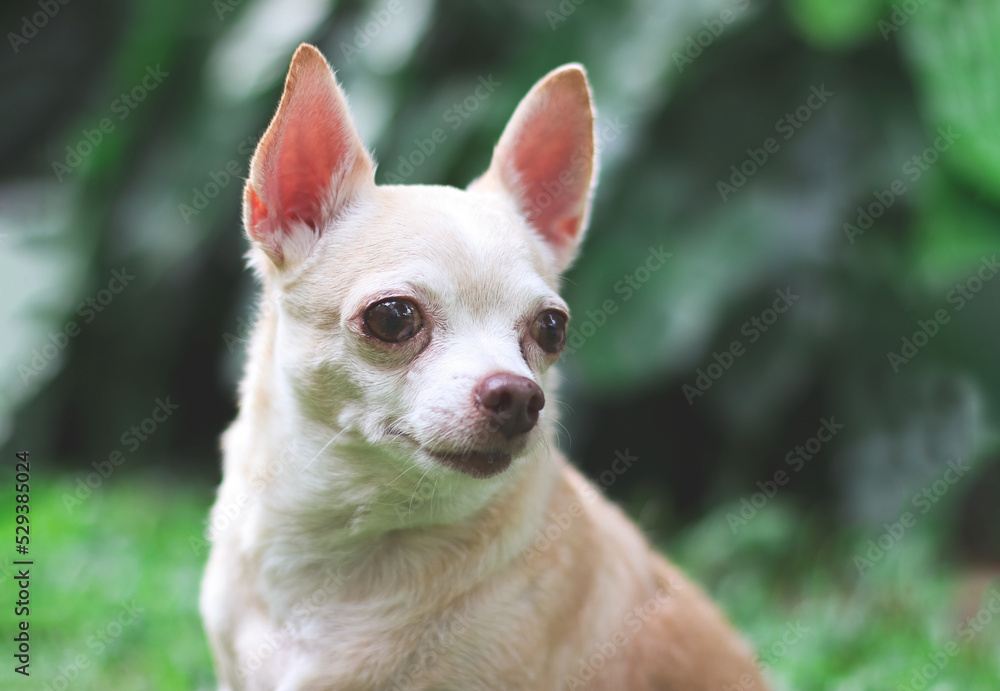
{"x":416,"y":323}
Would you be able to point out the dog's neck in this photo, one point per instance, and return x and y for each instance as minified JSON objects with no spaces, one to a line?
{"x":368,"y":548}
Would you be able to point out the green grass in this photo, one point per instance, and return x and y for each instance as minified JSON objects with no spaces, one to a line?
{"x":818,"y":623}
{"x":130,"y":542}
{"x":126,"y":543}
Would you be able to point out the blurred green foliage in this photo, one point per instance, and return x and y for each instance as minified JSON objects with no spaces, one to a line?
{"x":749,"y":140}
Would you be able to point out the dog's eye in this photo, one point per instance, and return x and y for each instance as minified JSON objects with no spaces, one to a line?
{"x":393,"y":320}
{"x":549,"y":331}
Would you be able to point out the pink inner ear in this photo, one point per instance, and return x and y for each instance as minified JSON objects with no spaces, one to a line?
{"x":309,"y":158}
{"x":567,"y":228}
{"x":258,"y":210}
{"x":552,"y":157}
{"x":310,"y":150}
{"x":548,"y":180}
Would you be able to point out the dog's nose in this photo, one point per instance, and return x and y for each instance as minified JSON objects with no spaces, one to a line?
{"x":512,"y":401}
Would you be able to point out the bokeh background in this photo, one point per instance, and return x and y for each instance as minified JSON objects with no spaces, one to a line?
{"x":839,"y":160}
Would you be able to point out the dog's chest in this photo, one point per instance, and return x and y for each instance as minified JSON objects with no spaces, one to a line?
{"x":371,"y":646}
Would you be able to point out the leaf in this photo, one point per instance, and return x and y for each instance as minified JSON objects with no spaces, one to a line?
{"x":954,"y":51}
{"x":836,"y":24}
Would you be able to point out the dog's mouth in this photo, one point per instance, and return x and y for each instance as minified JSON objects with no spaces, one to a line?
{"x":478,"y":464}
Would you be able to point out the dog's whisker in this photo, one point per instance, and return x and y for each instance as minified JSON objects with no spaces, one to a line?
{"x":332,"y":439}
{"x":409,"y":510}
{"x":560,"y":429}
{"x":430,"y":500}
{"x":564,"y":405}
{"x":408,"y":469}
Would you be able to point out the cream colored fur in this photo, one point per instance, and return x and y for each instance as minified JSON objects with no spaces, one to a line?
{"x":344,"y":555}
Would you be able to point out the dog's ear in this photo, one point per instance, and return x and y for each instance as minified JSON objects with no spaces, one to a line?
{"x":545,"y":160}
{"x":308,"y":165}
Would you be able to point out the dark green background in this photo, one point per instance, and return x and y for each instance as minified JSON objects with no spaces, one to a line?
{"x":674,"y":117}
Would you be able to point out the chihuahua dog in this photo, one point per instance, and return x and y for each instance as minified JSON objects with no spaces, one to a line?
{"x":394,"y":513}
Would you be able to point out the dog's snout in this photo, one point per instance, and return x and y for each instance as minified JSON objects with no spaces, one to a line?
{"x":512,"y":401}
